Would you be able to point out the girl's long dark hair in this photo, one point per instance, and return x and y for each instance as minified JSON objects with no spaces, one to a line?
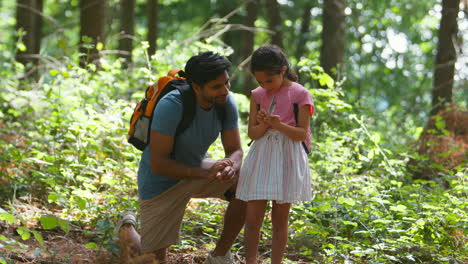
{"x":271,"y":59}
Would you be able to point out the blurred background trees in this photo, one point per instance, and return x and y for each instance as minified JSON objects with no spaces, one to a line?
{"x":385,"y":51}
{"x":389,"y":79}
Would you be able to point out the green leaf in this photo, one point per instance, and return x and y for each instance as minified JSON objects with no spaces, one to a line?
{"x":398,"y":208}
{"x":80,"y":202}
{"x":325,"y":79}
{"x":350,"y":223}
{"x":64,"y":225}
{"x":52,"y":197}
{"x":38,"y":237}
{"x":370,"y":155}
{"x":54,"y":72}
{"x":99,"y":46}
{"x":7,"y":217}
{"x":24,"y":232}
{"x":381,"y":221}
{"x":21,"y":47}
{"x":65,"y":74}
{"x":438,"y":166}
{"x":62,"y":44}
{"x":92,"y":245}
{"x":376,"y":138}
{"x":440,"y":123}
{"x":346,"y":201}
{"x":49,"y":221}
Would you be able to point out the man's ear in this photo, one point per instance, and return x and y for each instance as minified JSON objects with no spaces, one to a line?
{"x":196,"y":88}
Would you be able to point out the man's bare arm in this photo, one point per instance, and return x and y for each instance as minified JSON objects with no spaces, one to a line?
{"x":161,"y":147}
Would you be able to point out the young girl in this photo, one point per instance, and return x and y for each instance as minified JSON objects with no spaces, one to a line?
{"x":276,"y":167}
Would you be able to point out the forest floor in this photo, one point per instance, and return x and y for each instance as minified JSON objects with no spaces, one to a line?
{"x":61,"y":247}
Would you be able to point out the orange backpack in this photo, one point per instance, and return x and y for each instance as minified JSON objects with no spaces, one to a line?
{"x":142,"y":117}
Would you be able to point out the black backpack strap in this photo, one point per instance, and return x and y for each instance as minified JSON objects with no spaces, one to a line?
{"x":296,"y":114}
{"x":188,"y":104}
{"x":221,"y":112}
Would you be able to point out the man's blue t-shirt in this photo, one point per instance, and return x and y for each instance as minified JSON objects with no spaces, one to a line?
{"x":190,"y":146}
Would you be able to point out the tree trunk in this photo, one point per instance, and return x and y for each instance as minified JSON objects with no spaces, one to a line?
{"x":248,"y":45}
{"x":153,"y":24}
{"x":29,"y":19}
{"x":127,"y":25}
{"x":274,"y":22}
{"x":232,"y":38}
{"x":333,"y":37}
{"x":446,"y":56}
{"x":92,"y":22}
{"x":301,"y":42}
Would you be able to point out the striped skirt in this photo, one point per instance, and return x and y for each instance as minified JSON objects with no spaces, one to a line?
{"x":276,"y":168}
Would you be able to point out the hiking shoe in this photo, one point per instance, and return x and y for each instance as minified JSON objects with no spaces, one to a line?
{"x":220,"y":259}
{"x":127,"y":218}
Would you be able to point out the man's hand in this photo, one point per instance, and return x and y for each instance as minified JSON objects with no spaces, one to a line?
{"x":228,"y":175}
{"x":218,"y":167}
{"x":223,"y":170}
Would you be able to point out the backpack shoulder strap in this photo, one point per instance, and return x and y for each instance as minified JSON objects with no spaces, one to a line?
{"x":296,"y":114}
{"x":296,"y":111}
{"x":188,"y":104}
{"x":221,"y":111}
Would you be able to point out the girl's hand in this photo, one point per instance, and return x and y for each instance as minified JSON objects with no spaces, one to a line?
{"x":261,"y":116}
{"x":273,"y":120}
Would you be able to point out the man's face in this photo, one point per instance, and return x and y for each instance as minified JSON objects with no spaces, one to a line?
{"x":214,"y":92}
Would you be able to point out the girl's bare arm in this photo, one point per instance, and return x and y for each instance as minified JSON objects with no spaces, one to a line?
{"x":298,"y":133}
{"x":256,"y":125}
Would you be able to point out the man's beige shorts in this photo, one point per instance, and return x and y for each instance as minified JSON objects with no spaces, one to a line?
{"x":161,"y":216}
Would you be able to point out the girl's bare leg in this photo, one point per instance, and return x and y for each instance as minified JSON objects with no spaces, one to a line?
{"x":279,"y":218}
{"x":253,"y":222}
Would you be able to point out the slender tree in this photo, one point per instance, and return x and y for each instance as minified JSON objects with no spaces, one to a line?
{"x":305,"y":24}
{"x":92,"y":23}
{"x":232,"y":38}
{"x":333,"y":37}
{"x":248,"y":43}
{"x":127,"y":25}
{"x":29,"y":19}
{"x":274,"y":22}
{"x":446,"y":56}
{"x":153,"y":25}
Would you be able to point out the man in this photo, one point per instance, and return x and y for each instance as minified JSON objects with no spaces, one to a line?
{"x":173,"y":169}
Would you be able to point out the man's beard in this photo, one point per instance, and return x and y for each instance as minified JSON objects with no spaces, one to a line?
{"x":215,"y":100}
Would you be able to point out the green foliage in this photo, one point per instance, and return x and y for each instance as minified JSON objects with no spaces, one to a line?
{"x":63,"y":138}
{"x":366,"y":208}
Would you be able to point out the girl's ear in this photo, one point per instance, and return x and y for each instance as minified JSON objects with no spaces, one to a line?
{"x":284,"y":69}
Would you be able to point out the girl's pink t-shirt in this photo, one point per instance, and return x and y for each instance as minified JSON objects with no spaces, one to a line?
{"x":286,"y":96}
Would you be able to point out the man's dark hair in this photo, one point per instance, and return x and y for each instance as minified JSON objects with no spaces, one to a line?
{"x":205,"y":67}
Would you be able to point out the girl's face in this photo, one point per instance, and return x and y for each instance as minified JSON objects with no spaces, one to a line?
{"x":270,"y":82}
